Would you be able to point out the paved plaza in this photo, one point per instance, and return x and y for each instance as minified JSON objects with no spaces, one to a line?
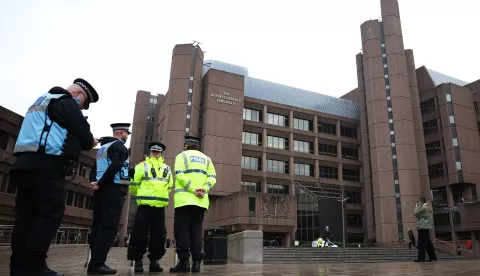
{"x":71,"y":261}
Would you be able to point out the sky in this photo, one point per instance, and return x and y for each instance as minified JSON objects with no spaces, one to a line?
{"x":121,"y":47}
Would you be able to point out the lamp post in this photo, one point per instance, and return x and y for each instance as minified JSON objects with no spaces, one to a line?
{"x":342,"y":200}
{"x":451,"y":225}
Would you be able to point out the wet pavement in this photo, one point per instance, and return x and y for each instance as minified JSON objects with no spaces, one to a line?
{"x":71,"y":260}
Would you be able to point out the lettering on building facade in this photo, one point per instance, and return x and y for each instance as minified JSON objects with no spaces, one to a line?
{"x":226,"y":98}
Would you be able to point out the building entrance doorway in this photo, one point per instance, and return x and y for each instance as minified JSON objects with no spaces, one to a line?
{"x":271,"y":239}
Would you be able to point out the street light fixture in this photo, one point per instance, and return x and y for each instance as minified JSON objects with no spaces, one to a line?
{"x":342,"y":200}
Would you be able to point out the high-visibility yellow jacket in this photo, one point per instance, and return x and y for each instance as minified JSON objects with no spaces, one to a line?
{"x":149,"y":189}
{"x":193,"y":170}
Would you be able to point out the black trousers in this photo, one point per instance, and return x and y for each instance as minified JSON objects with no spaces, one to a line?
{"x":410,"y":243}
{"x":188,"y":231}
{"x":425,"y":243}
{"x":40,"y":204}
{"x":108,"y":203}
{"x":148,"y":219}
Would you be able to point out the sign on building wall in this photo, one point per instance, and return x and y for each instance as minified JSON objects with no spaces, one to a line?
{"x":226,"y":98}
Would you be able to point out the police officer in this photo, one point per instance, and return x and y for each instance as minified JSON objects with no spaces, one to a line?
{"x":194,"y":177}
{"x":151,"y":185}
{"x":53,"y":133}
{"x":111,"y":187}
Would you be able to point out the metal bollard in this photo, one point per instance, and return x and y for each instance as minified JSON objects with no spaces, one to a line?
{"x":89,"y":256}
{"x":132,"y":267}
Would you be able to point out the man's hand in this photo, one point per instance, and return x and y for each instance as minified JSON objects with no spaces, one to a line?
{"x":94,"y":186}
{"x":95,"y":142}
{"x":200,"y":193}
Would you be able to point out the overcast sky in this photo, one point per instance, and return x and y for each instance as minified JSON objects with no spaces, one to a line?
{"x":121,"y":47}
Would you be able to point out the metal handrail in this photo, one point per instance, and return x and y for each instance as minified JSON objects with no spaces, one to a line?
{"x":452,"y":245}
{"x":64,"y":235}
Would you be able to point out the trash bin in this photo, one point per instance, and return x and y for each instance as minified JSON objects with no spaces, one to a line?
{"x":215,"y":245}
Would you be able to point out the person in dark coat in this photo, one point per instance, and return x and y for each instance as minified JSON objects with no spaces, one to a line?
{"x":52,"y":136}
{"x":412,"y":241}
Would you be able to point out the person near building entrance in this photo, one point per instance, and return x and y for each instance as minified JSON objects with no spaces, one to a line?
{"x":52,"y":135}
{"x":110,"y":188}
{"x":297,"y":243}
{"x":423,"y":212}
{"x":411,"y":237}
{"x":151,"y":185}
{"x":327,"y":235}
{"x":194,"y":177}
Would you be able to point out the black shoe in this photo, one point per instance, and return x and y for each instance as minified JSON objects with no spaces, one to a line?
{"x":101,"y":270}
{"x":181,"y":267}
{"x":431,"y":260}
{"x":196,"y":266}
{"x":139,"y":266}
{"x":155,"y":266}
{"x":418,"y":261}
{"x":49,"y":272}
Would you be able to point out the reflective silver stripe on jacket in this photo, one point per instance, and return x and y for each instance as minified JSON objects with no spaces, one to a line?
{"x":185,"y":160}
{"x":152,"y":198}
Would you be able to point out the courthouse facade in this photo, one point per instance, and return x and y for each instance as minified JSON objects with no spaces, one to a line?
{"x":286,"y":158}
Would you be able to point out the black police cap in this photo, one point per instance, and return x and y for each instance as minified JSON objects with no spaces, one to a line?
{"x":156,"y":146}
{"x":192,"y":139}
{"x":91,"y":93}
{"x":121,"y":126}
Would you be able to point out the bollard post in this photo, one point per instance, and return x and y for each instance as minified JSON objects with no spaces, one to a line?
{"x":132,"y":267}
{"x":89,"y":255}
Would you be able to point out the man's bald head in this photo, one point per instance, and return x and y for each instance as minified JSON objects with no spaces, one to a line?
{"x":79,"y":93}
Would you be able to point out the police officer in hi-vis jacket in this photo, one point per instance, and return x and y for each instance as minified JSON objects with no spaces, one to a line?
{"x":111,"y":187}
{"x":151,"y":185}
{"x":194,"y":177}
{"x":53,"y":133}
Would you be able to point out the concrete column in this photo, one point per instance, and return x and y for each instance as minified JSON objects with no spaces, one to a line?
{"x":288,"y":239}
{"x":264,"y":162}
{"x":339,"y":149}
{"x":315,"y":124}
{"x":338,"y":128}
{"x":315,"y":146}
{"x":451,"y":203}
{"x":264,"y":137}
{"x":290,"y":165}
{"x":265,"y":116}
{"x":316,"y":169}
{"x":290,"y":119}
{"x":264,"y":185}
{"x":290,"y":142}
{"x":292,"y":187}
{"x":340,"y":172}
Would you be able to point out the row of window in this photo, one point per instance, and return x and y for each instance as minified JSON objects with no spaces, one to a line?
{"x":79,"y":200}
{"x":253,"y":163}
{"x":301,"y":124}
{"x":256,"y":187}
{"x":250,"y":138}
{"x":433,"y":148}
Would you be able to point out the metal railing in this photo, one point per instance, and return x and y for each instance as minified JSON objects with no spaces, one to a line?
{"x":452,"y":249}
{"x":64,"y":235}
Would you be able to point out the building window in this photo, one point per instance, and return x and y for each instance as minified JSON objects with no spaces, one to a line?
{"x":70,"y":196}
{"x":439,"y":196}
{"x":250,"y":186}
{"x":302,"y":146}
{"x":251,"y":138}
{"x":251,"y":115}
{"x":3,"y":182}
{"x":251,"y":204}
{"x":348,"y":131}
{"x":90,"y":203}
{"x":355,"y":221}
{"x":302,"y":169}
{"x":328,"y":172}
{"x":250,"y":163}
{"x":329,"y":150}
{"x":277,"y":189}
{"x":475,"y":105}
{"x":277,"y":142}
{"x":353,"y":197}
{"x":430,"y":127}
{"x":351,"y":175}
{"x":302,"y":124}
{"x":153,"y":100}
{"x":433,"y":148}
{"x":79,"y":200}
{"x":436,"y":170}
{"x":427,"y":106}
{"x":82,"y":169}
{"x":278,"y":120}
{"x":327,"y":128}
{"x":277,"y":166}
{"x":478,"y":126}
{"x":148,"y":138}
{"x":349,"y":153}
{"x":151,"y":119}
{"x":3,"y":139}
